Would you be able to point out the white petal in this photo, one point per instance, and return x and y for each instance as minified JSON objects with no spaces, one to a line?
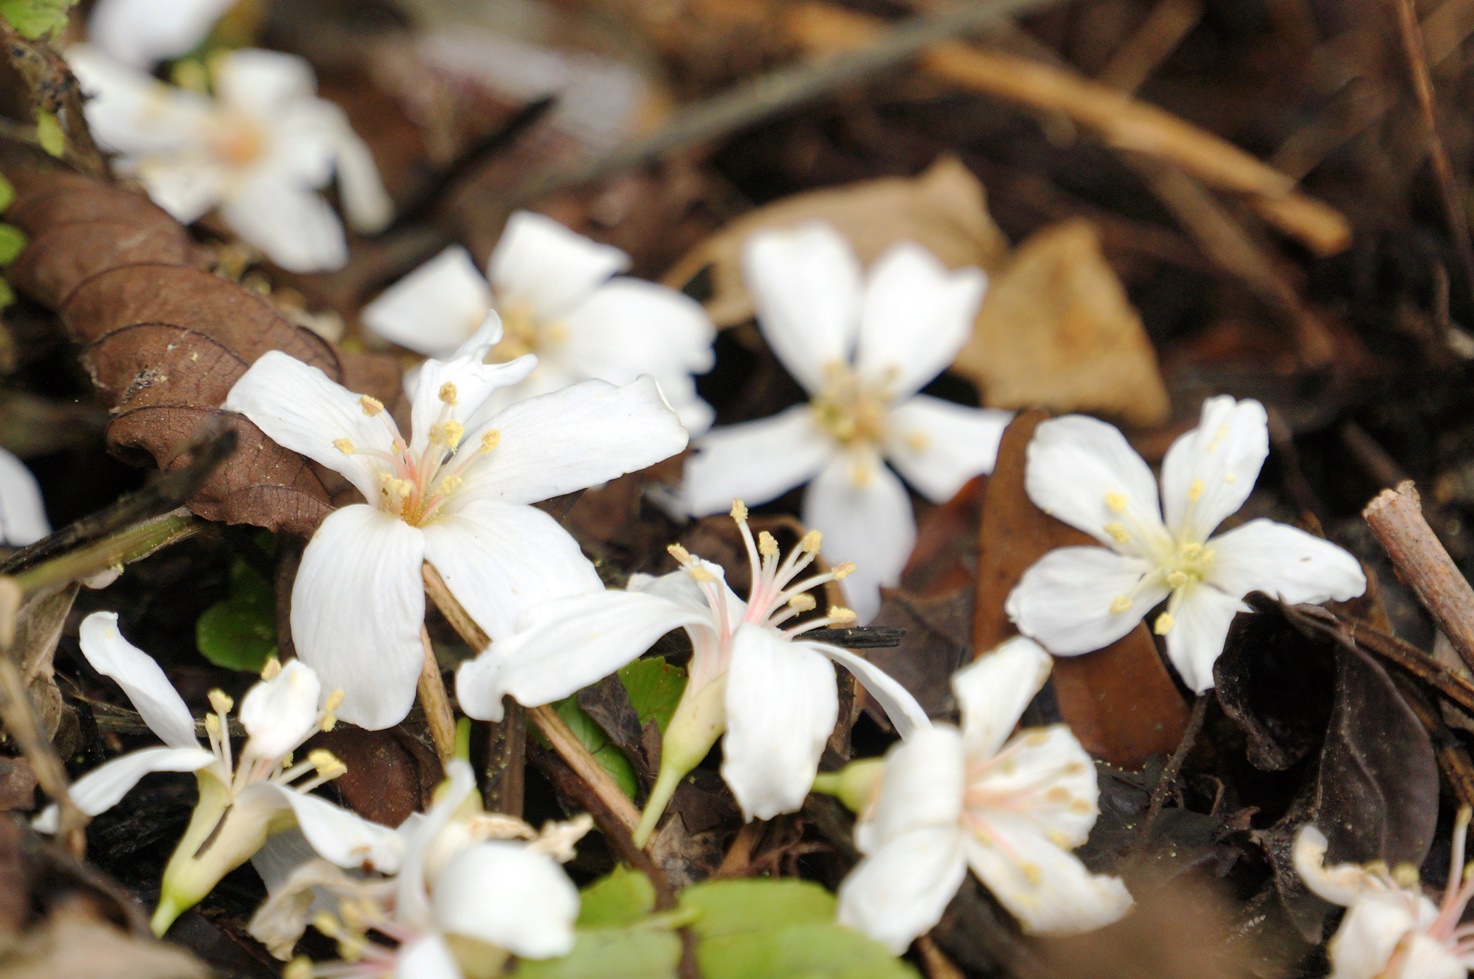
{"x":134,"y":114}
{"x":1199,"y":628}
{"x":546,"y":268}
{"x":755,"y":461}
{"x":1064,"y":600}
{"x":292,"y":225}
{"x":22,"y":513}
{"x":629,"y":327}
{"x":563,"y":645}
{"x":186,"y":185}
{"x":476,"y":384}
{"x":366,"y":204}
{"x":339,"y":836}
{"x":1209,"y":471}
{"x":142,"y":32}
{"x":500,"y":559}
{"x":1050,"y":782}
{"x":100,"y":789}
{"x":357,"y":607}
{"x":921,"y":787}
{"x":1369,"y":936}
{"x":865,"y":515}
{"x":1285,"y":562}
{"x":578,"y":437}
{"x":1343,"y":884}
{"x":301,"y":409}
{"x":938,"y":445}
{"x":1045,"y":887}
{"x":433,"y":309}
{"x":993,"y":690}
{"x":423,"y":856}
{"x":150,"y":692}
{"x":905,"y":713}
{"x":262,"y":82}
{"x":1429,"y":958}
{"x":916,"y":316}
{"x":280,"y":713}
{"x":781,"y":706}
{"x":1083,"y":472}
{"x":898,"y":893}
{"x":529,"y":910}
{"x":805,"y":284}
{"x":428,"y":957}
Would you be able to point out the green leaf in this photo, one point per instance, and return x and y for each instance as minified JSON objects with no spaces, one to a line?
{"x":12,"y":240}
{"x":611,"y":953}
{"x":727,"y":907}
{"x":624,"y":897}
{"x":48,"y":132}
{"x":655,"y":689}
{"x":592,"y":737}
{"x":7,"y":294}
{"x":7,"y":193}
{"x":240,"y":632}
{"x":36,"y":18}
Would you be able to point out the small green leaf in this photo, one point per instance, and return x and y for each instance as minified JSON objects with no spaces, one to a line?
{"x":727,"y":907}
{"x":592,"y":737}
{"x":623,"y":898}
{"x":240,"y":632}
{"x":655,"y":689}
{"x":12,"y":240}
{"x":36,"y":18}
{"x":7,"y":294}
{"x":48,"y":132}
{"x":7,"y":193}
{"x":611,"y":953}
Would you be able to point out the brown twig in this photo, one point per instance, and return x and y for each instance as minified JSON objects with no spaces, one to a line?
{"x":436,"y":702}
{"x":1158,"y":36}
{"x":1396,"y":517}
{"x":1167,"y":781}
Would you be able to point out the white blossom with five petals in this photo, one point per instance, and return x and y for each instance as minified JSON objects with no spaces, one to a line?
{"x":260,"y":151}
{"x":1077,"y":599}
{"x":457,"y":494}
{"x":1011,"y":809}
{"x":556,"y":298}
{"x":752,"y":674}
{"x":862,"y":349}
{"x":1391,"y":929}
{"x":242,"y":799}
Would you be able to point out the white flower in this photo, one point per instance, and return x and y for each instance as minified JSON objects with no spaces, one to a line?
{"x":554,"y":293}
{"x":242,"y":799}
{"x":1392,"y":930}
{"x":770,"y":690}
{"x":952,"y":799}
{"x":861,"y":351}
{"x":260,"y":151}
{"x":1077,"y":599}
{"x":22,"y":513}
{"x":474,"y":888}
{"x":140,"y":33}
{"x":458,"y":495}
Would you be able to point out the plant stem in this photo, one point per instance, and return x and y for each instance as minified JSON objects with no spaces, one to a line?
{"x":436,"y":701}
{"x":113,"y":551}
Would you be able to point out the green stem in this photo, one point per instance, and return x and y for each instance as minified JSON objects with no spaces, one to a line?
{"x":666,"y":784}
{"x":113,"y":551}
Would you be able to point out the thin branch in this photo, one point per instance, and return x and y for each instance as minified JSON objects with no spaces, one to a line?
{"x":436,"y":702}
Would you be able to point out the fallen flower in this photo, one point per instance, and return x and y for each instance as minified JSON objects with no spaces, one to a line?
{"x":242,"y":800}
{"x":1077,"y":599}
{"x":1391,"y":929}
{"x":771,"y":691}
{"x":458,"y":494}
{"x":141,"y":33}
{"x":553,"y":291}
{"x":861,"y":351}
{"x":259,"y":150}
{"x":475,"y":889}
{"x":950,"y":799}
{"x":22,"y":512}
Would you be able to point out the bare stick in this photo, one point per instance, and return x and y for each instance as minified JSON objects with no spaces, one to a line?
{"x":1396,"y":517}
{"x":436,"y":702}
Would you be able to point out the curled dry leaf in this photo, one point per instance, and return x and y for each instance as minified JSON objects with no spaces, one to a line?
{"x":164,"y":339}
{"x":1057,"y":331}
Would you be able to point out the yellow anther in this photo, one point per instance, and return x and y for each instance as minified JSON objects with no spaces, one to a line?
{"x":917,"y":441}
{"x":448,"y":393}
{"x":679,"y":553}
{"x":1115,"y":502}
{"x":1405,"y":874}
{"x":298,"y":968}
{"x":1119,"y":604}
{"x":843,"y":571}
{"x":1059,"y":839}
{"x":327,"y":923}
{"x":345,"y":446}
{"x":447,"y":433}
{"x":220,"y":702}
{"x":449,"y":484}
{"x":1058,"y":795}
{"x":1176,"y":580}
{"x":329,"y":717}
{"x":1195,"y":491}
{"x":212,"y":725}
{"x":1079,"y":806}
{"x":1032,"y":873}
{"x":491,"y":440}
{"x":1036,"y":738}
{"x":326,"y":763}
{"x":700,"y":574}
{"x":1165,"y":621}
{"x":1118,"y":532}
{"x":271,"y":670}
{"x":841,"y":615}
{"x":803,"y":602}
{"x":739,"y":511}
{"x":1191,"y":550}
{"x":1377,"y":868}
{"x":401,"y":487}
{"x":1075,"y":768}
{"x":811,"y":541}
{"x":766,"y":545}
{"x":370,"y":406}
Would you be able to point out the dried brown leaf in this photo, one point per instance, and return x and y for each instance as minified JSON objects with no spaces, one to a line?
{"x":164,"y":339}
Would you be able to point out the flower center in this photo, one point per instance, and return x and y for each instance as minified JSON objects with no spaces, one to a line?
{"x":850,"y":408}
{"x":524,"y":333}
{"x":253,"y":767}
{"x":240,"y":141}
